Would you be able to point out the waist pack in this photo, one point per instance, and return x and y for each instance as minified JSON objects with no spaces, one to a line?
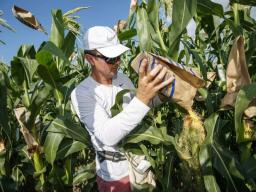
{"x":139,"y":172}
{"x":139,"y":168}
{"x":110,"y":156}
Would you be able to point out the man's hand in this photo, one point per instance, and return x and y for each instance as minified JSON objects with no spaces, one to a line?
{"x":150,"y":83}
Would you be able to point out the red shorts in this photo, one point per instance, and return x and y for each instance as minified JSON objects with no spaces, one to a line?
{"x":122,"y":185}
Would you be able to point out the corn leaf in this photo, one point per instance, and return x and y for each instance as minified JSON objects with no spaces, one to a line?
{"x":57,"y":28}
{"x":51,"y":145}
{"x":207,"y":7}
{"x":244,"y":97}
{"x":70,"y":129}
{"x":183,"y":11}
{"x":245,"y":2}
{"x":143,"y":29}
{"x":205,"y":155}
{"x":68,"y":147}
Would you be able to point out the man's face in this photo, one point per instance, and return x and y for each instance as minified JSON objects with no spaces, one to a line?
{"x":104,"y":67}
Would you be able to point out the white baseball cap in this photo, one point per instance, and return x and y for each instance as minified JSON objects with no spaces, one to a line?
{"x":104,"y":40}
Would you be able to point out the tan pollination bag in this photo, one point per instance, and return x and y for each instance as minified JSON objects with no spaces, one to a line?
{"x":183,"y":89}
{"x":237,"y":76}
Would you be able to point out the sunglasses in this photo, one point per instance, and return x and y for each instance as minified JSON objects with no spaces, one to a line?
{"x":108,"y":60}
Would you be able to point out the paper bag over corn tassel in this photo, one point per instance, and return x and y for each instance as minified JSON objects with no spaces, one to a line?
{"x":183,"y":88}
{"x":27,"y":18}
{"x":237,"y":76}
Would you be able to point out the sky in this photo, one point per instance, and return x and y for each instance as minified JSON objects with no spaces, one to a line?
{"x":101,"y":12}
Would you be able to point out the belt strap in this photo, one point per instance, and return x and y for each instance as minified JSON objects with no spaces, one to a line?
{"x":110,"y":155}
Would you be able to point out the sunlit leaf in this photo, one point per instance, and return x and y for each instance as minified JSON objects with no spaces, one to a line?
{"x":68,"y":147}
{"x":70,"y":129}
{"x":207,"y":7}
{"x":143,"y":29}
{"x":57,"y":28}
{"x":186,"y":9}
{"x":51,"y":145}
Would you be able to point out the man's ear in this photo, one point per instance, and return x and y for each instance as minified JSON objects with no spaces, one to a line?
{"x":89,"y":58}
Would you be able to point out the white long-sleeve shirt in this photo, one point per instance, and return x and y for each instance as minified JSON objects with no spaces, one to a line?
{"x":92,"y":102}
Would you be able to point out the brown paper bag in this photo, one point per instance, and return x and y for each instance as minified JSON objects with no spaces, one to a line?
{"x":183,"y":89}
{"x":237,"y":76}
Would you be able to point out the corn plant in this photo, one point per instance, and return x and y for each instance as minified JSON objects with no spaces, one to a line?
{"x":37,"y":86}
{"x":198,"y":156}
{"x":43,"y":144}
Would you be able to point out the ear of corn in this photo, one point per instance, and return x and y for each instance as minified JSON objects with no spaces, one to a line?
{"x":189,"y":141}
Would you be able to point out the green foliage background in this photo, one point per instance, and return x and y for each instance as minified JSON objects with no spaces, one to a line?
{"x":62,"y":158}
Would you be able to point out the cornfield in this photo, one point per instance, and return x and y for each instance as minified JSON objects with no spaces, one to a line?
{"x":44,"y":147}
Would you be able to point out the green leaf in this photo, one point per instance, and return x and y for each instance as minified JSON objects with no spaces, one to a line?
{"x":153,"y":13}
{"x":127,"y":34}
{"x":68,"y":147}
{"x":39,"y":97}
{"x":117,"y":107}
{"x":46,"y":75}
{"x":151,"y":134}
{"x":207,"y":7}
{"x":244,"y":97}
{"x":17,"y":71}
{"x":69,"y":43}
{"x":168,"y":171}
{"x":45,"y":58}
{"x":205,"y":155}
{"x":51,"y":145}
{"x":84,"y":174}
{"x":75,"y":10}
{"x":3,"y":106}
{"x":70,"y":129}
{"x":250,"y":167}
{"x":59,"y":59}
{"x":30,"y":67}
{"x":227,"y":164}
{"x":143,"y":29}
{"x":245,"y":2}
{"x":27,"y":51}
{"x":57,"y":28}
{"x":212,"y":154}
{"x":82,"y":177}
{"x":55,"y":51}
{"x":186,"y":9}
{"x":67,"y":89}
{"x":8,"y":184}
{"x":251,"y":46}
{"x":197,"y":57}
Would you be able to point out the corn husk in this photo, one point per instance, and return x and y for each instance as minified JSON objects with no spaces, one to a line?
{"x":188,"y":143}
{"x":191,"y":137}
{"x":249,"y":130}
{"x":2,"y":146}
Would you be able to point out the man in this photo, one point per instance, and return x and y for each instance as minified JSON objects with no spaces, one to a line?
{"x":93,"y":98}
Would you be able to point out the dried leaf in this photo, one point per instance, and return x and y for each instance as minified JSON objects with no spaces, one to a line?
{"x":32,"y":144}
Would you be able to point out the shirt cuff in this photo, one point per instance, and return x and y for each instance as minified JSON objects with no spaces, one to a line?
{"x":140,"y":105}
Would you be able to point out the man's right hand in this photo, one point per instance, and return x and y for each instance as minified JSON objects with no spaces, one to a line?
{"x":151,"y":82}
